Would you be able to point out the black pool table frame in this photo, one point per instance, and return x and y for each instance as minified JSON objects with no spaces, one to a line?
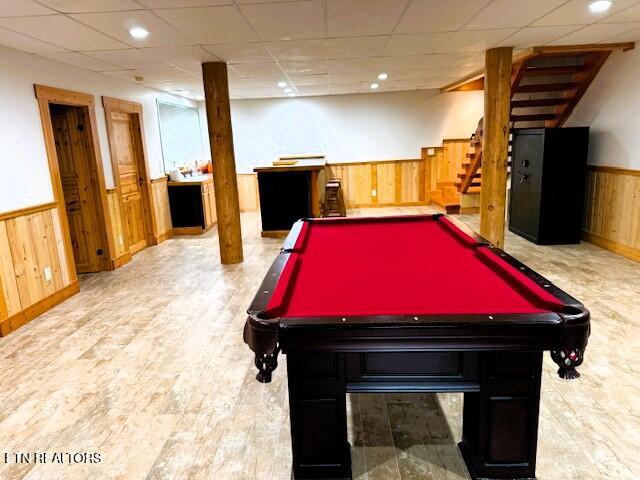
{"x":495,"y":360}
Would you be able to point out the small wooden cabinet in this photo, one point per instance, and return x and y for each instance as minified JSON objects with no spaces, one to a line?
{"x":193,"y":206}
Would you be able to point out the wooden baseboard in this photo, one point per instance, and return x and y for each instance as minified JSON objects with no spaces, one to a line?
{"x":613,"y":246}
{"x":164,"y":236}
{"x":274,"y":233}
{"x":188,"y":231}
{"x":374,"y":205}
{"x":17,"y":320}
{"x":121,"y":260}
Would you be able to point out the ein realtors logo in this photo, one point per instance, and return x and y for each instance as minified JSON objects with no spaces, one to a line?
{"x":51,"y":457}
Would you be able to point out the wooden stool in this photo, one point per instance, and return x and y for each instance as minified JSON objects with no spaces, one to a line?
{"x":333,"y":200}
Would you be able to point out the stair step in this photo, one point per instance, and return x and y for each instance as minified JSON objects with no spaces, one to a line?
{"x":546,"y":87}
{"x":473,"y":184}
{"x":446,"y":202}
{"x":557,"y":70}
{"x":539,"y":102}
{"x":465,"y":174}
{"x":534,"y":117}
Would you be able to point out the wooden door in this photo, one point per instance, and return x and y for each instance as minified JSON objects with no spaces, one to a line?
{"x":131,"y":179}
{"x":80,"y":186}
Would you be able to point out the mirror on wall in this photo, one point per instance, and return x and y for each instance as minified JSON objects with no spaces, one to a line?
{"x":181,"y":139}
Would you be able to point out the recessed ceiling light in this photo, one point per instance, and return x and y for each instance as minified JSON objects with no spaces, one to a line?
{"x":383,"y":76}
{"x":282,"y":84}
{"x":139,"y":32}
{"x":374,"y":86}
{"x":288,"y":90}
{"x":600,"y":6}
{"x":181,"y":91}
{"x":291,"y":94}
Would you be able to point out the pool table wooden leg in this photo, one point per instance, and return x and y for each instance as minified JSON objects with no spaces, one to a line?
{"x":317,"y":403}
{"x":500,"y":422}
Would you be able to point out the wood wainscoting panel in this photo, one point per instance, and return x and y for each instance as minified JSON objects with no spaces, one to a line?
{"x":382,"y":183}
{"x":612,"y":210}
{"x":11,"y":297}
{"x":117,"y":232}
{"x":160,"y":197}
{"x":248,"y":192}
{"x":31,"y":247}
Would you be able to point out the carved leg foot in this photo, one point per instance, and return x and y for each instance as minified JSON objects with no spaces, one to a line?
{"x":568,"y":359}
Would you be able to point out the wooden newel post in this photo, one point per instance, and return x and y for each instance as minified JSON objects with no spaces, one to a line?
{"x":216,"y":89}
{"x":495,"y":148}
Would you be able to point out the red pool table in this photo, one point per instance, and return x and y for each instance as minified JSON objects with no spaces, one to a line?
{"x":411,"y":304}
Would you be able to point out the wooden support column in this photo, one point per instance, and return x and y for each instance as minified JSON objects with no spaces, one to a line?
{"x":216,"y":89}
{"x":495,"y":143}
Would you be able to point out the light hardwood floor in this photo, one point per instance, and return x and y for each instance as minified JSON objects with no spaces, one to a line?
{"x":147,"y":367}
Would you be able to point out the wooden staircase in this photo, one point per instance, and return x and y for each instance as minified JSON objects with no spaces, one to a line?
{"x":546,"y":85}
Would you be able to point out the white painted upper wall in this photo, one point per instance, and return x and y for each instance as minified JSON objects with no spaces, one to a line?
{"x":611,"y":107}
{"x":347,"y":128}
{"x":24,"y":172}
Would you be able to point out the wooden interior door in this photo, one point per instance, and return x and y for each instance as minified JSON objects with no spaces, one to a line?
{"x":80,"y":186}
{"x":131,"y":179}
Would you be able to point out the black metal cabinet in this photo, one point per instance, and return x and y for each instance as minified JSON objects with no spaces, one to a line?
{"x":548,"y":172}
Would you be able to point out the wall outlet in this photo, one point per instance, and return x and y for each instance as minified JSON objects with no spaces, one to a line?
{"x":374,"y":193}
{"x":47,"y":274}
{"x":120,"y":239}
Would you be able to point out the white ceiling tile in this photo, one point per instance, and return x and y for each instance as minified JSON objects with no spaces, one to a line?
{"x":576,"y":12}
{"x":62,"y":31}
{"x":352,"y":65}
{"x":241,"y":2}
{"x":164,"y":74}
{"x":313,"y":90}
{"x":189,"y":56}
{"x":82,"y":61}
{"x":438,"y":15}
{"x":354,"y":87}
{"x":287,"y":21}
{"x":474,"y":40}
{"x":299,"y":80}
{"x":210,"y":25}
{"x":417,"y":43}
{"x":631,"y":36}
{"x":184,"y":3}
{"x":308,"y":68}
{"x":534,"y":36}
{"x":302,"y":50}
{"x":26,"y":44}
{"x":473,"y":59}
{"x":631,"y":14}
{"x":350,"y":77}
{"x":374,"y":17}
{"x":507,"y":13}
{"x":22,"y":8}
{"x":128,"y":59}
{"x":354,"y":47}
{"x":438,"y":73}
{"x":251,"y":52}
{"x":596,"y":33}
{"x":81,"y":6}
{"x":255,"y":70}
{"x":118,"y":24}
{"x":400,"y":62}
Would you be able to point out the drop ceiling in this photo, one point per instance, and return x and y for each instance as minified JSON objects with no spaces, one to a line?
{"x":318,"y":47}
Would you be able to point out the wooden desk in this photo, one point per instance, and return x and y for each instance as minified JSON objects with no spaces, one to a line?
{"x":289,"y":193}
